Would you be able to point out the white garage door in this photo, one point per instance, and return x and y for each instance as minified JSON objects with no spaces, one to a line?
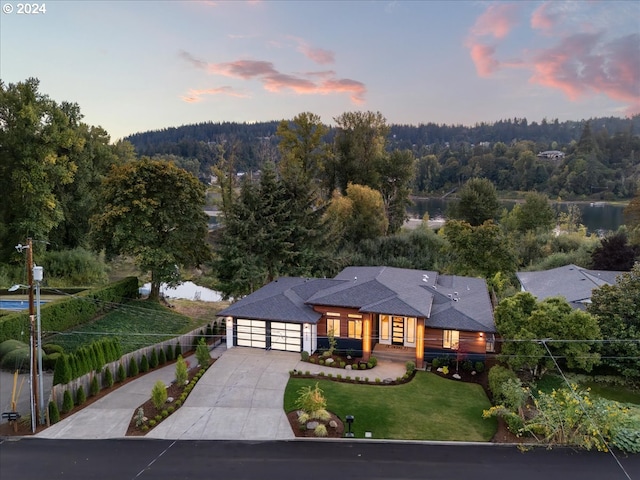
{"x":285,"y":336}
{"x":252,"y":333}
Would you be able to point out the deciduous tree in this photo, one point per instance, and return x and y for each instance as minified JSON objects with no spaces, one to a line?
{"x":153,"y":211}
{"x":478,"y":202}
{"x":524,"y":323}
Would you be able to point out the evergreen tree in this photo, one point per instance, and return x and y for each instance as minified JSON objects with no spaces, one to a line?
{"x":144,"y":364}
{"x":153,"y":359}
{"x":133,"y":367}
{"x":94,"y":387}
{"x":54,"y":413}
{"x":162,"y":358}
{"x":108,"y":378}
{"x":81,"y":396}
{"x":121,"y":374}
{"x":67,"y":402}
{"x":62,"y":370}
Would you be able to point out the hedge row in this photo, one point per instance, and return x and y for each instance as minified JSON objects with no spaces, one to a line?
{"x":92,"y":357}
{"x":65,"y":314}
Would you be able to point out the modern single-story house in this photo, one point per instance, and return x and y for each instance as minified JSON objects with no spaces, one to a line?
{"x":427,"y":313}
{"x":572,"y":282}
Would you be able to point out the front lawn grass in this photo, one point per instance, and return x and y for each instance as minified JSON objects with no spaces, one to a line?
{"x":135,"y":324}
{"x":427,"y":408}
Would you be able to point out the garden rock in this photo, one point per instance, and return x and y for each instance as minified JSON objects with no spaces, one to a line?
{"x":329,"y":361}
{"x":312,"y":425}
{"x":456,"y":376}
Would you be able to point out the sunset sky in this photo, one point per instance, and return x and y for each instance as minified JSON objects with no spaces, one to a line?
{"x":142,"y":65}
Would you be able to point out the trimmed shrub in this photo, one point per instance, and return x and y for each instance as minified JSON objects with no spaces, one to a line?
{"x":202,"y":354}
{"x":162,"y":358}
{"x":67,"y":402}
{"x":159,"y":394}
{"x":50,"y":348}
{"x":152,"y":423}
{"x":153,"y":359}
{"x":467,"y":365}
{"x":62,"y":371}
{"x":410,"y":366}
{"x":133,"y":367}
{"x":498,"y":376}
{"x":170,"y":354}
{"x":478,"y":367}
{"x":181,"y":371}
{"x":373,"y":361}
{"x":121,"y":373}
{"x":17,"y":359}
{"x":435,"y":363}
{"x":144,"y":364}
{"x":49,"y":361}
{"x":94,"y":387}
{"x":11,"y":345}
{"x":54,"y":413}
{"x":304,"y":356}
{"x":81,"y":397}
{"x":108,"y":378}
{"x":178,"y":350}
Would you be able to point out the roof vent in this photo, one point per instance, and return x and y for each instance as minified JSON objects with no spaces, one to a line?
{"x":455,"y":293}
{"x":456,"y":299}
{"x":355,"y":279}
{"x":449,"y":295}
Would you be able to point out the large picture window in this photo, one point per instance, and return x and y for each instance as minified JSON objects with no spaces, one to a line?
{"x":333,"y":324}
{"x":451,"y":339}
{"x":384,"y":327}
{"x":355,"y":328}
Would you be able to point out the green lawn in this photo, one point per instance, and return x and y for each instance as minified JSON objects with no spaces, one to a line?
{"x":136,"y":325}
{"x":427,"y":408}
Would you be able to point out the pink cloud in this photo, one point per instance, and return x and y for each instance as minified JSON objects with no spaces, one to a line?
{"x":195,"y":95}
{"x":245,"y":69}
{"x":483,"y":58}
{"x":543,"y":19}
{"x":322,"y":82}
{"x":582,"y":64}
{"x":497,"y":21}
{"x":318,"y":55}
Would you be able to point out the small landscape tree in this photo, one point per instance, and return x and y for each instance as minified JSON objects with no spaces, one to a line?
{"x":159,"y":394}
{"x":202,"y":354}
{"x":181,"y":371}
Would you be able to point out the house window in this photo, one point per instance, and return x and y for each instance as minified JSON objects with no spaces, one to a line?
{"x":384,"y":327}
{"x":333,"y":326}
{"x":355,"y":328}
{"x":451,"y":339}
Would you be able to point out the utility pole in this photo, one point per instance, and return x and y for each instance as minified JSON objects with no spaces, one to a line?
{"x":32,"y":321}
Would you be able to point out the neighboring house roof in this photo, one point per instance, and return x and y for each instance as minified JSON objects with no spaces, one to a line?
{"x":572,"y":282}
{"x":451,"y":302}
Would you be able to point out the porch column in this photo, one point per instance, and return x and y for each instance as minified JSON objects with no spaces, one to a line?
{"x":306,"y":338}
{"x":420,"y":343}
{"x":229,"y":321}
{"x":366,"y":337}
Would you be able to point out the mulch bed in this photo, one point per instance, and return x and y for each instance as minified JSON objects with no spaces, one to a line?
{"x":150,"y":411}
{"x":300,"y":430}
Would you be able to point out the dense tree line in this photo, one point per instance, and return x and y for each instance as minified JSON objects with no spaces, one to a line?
{"x":600,"y":160}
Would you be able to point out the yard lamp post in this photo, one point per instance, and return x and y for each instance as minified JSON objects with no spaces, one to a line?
{"x":349,"y":419}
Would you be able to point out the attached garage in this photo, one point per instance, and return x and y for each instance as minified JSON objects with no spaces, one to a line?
{"x":286,"y":336}
{"x":251,"y":333}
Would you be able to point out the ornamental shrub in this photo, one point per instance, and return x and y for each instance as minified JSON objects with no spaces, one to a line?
{"x":410,"y":366}
{"x":202,"y":354}
{"x":373,"y":361}
{"x":181,"y":371}
{"x":133,"y":367}
{"x":178,"y":350}
{"x":81,"y":397}
{"x":94,"y":387}
{"x":169,"y":353}
{"x":107,"y":378}
{"x":320,"y":431}
{"x":54,"y":413}
{"x":162,"y":358}
{"x":153,"y":359}
{"x":479,"y":367}
{"x":144,"y":364}
{"x":67,"y":402}
{"x":304,"y":355}
{"x":498,"y":376}
{"x":159,"y":394}
{"x":62,"y":372}
{"x":121,"y":375}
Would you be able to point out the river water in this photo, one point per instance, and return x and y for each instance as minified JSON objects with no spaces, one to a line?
{"x":596,"y":217}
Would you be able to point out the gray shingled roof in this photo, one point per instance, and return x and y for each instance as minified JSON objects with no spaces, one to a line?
{"x":570,"y":281}
{"x":277,"y":300}
{"x":451,"y":302}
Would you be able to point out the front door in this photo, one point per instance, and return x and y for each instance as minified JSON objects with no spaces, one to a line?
{"x":397,"y":326}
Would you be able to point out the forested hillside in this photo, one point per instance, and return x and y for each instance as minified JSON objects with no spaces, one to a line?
{"x":601,"y":155}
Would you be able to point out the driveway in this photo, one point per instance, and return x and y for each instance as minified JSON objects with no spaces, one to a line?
{"x":239,"y":398}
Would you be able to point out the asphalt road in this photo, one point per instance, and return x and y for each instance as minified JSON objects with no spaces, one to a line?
{"x":32,"y":458}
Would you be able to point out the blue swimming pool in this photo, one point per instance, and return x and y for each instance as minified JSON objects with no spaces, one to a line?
{"x":16,"y":305}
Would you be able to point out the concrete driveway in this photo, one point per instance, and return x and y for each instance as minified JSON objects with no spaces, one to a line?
{"x":239,"y":398}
